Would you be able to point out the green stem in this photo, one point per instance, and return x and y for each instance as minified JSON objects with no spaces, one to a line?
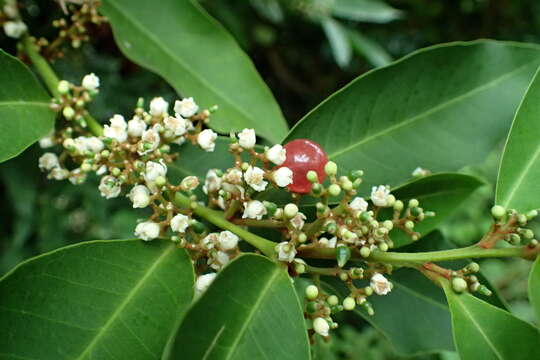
{"x":322,"y":271}
{"x":50,"y":79}
{"x":259,"y":223}
{"x":421,"y":257}
{"x":216,"y":218}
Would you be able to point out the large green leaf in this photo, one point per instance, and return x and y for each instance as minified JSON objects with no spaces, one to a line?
{"x":534,"y":287}
{"x":95,"y":300}
{"x":182,"y":43}
{"x":25,"y":115}
{"x":375,"y":11}
{"x":441,"y":193}
{"x":483,"y":331}
{"x":440,"y":108}
{"x":250,"y":312}
{"x":520,"y":164}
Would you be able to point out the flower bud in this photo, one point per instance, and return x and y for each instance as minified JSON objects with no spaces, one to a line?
{"x":332,"y":300}
{"x":63,"y":87}
{"x":459,"y":285}
{"x":320,"y":326}
{"x":68,"y":112}
{"x":312,"y":292}
{"x":290,"y":210}
{"x":343,"y":254}
{"x":247,"y":138}
{"x":365,"y":251}
{"x":498,"y":212}
{"x":312,"y":176}
{"x":179,"y":223}
{"x":349,"y":303}
{"x":147,"y":230}
{"x":330,"y":168}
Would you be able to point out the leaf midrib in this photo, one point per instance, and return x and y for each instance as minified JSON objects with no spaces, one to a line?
{"x":476,"y":325}
{"x":22,"y":102}
{"x":125,"y":302}
{"x":433,"y":110}
{"x":151,"y":37}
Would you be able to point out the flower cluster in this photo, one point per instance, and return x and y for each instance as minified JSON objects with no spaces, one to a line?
{"x":10,"y":19}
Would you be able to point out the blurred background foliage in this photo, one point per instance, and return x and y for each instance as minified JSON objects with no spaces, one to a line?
{"x":305,"y":50}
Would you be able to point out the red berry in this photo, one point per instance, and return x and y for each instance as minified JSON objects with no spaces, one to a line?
{"x":304,"y":155}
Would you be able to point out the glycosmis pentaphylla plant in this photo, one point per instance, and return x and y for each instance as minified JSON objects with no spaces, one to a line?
{"x":255,"y":243}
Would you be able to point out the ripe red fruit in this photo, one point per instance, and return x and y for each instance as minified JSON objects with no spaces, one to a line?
{"x":304,"y":155}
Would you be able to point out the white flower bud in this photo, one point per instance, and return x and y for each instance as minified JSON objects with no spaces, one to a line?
{"x":109,"y":187}
{"x":207,"y":140}
{"x":254,"y":209}
{"x":212,"y":182}
{"x":419,"y":172}
{"x":254,"y":177}
{"x":290,"y":210}
{"x":379,"y":195}
{"x":147,"y":230}
{"x":247,"y":139}
{"x":139,"y":196}
{"x":59,"y":173}
{"x":47,"y":141}
{"x":185,"y":107}
{"x":179,"y":223}
{"x":283,"y":176}
{"x":158,"y":106}
{"x":203,"y":282}
{"x":358,"y":204}
{"x":276,"y":154}
{"x":286,"y":252}
{"x":136,"y":127}
{"x":117,"y":129}
{"x":90,"y":82}
{"x":176,"y":124}
{"x":14,"y":29}
{"x":320,"y":326}
{"x":227,"y":240}
{"x":154,"y":170}
{"x":218,"y":260}
{"x":48,"y":161}
{"x":380,"y":284}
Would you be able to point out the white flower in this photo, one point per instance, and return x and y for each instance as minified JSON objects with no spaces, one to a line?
{"x":189,"y":183}
{"x":212,"y":182}
{"x":83,"y":144}
{"x":210,"y":240}
{"x":101,"y":170}
{"x":147,"y":230}
{"x":233,"y":176}
{"x":150,"y":141}
{"x":283,"y":176}
{"x":379,"y":195}
{"x":58,"y":173}
{"x":47,"y":141}
{"x":117,"y":129}
{"x":139,"y":196}
{"x":227,"y":240}
{"x":109,"y":187}
{"x":48,"y":161}
{"x":218,"y":260}
{"x":247,"y":139}
{"x":276,"y":154}
{"x":285,"y":251}
{"x":158,"y":106}
{"x":10,"y":9}
{"x":254,"y":177}
{"x":185,"y":107}
{"x":203,"y":282}
{"x":254,"y":209}
{"x":136,"y":127}
{"x":80,"y":144}
{"x":176,"y":124}
{"x":380,"y":284}
{"x":14,"y":29}
{"x":298,"y":221}
{"x":154,"y":170}
{"x":207,"y":140}
{"x":77,"y":176}
{"x":179,"y":223}
{"x":358,"y":204}
{"x":418,"y":172}
{"x":321,"y":326}
{"x":90,"y":82}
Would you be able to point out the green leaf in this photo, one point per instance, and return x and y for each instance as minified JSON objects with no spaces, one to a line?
{"x":440,"y":108}
{"x":369,"y":49}
{"x":441,"y":193}
{"x":250,"y":312}
{"x":520,"y":165}
{"x":534,"y":287}
{"x":483,"y":331}
{"x":195,"y":54}
{"x":339,"y":41}
{"x":95,"y":300}
{"x":25,"y":116}
{"x":374,"y":11}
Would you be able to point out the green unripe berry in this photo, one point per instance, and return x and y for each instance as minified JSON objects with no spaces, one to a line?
{"x":330,"y":168}
{"x":356,"y":174}
{"x":312,"y":176}
{"x":332,"y":300}
{"x":368,"y":290}
{"x":334,"y":190}
{"x":343,"y":276}
{"x":300,"y":268}
{"x":459,"y":285}
{"x":383,"y":247}
{"x":364,"y":251}
{"x":312,"y":292}
{"x":316,"y":189}
{"x":349,"y":304}
{"x":116,"y":172}
{"x":347,"y":185}
{"x":498,"y":212}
